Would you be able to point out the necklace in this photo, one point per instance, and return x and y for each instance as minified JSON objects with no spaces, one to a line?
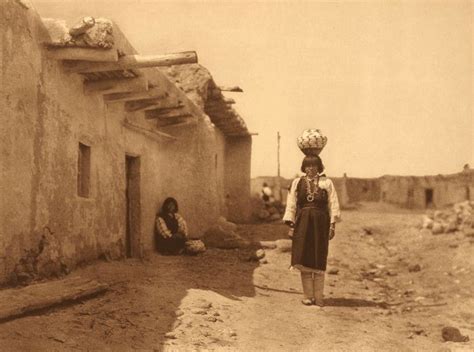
{"x":310,"y":194}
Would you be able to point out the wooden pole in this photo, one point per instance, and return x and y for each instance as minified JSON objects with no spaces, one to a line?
{"x":278,"y":183}
{"x":278,"y":153}
{"x":127,"y":62}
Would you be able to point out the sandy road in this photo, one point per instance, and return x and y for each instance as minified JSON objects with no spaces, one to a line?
{"x":222,"y":302}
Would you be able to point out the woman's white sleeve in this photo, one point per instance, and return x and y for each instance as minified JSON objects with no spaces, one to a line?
{"x":290,"y":211}
{"x":162,"y":228}
{"x":334,"y":210}
{"x":183,"y":227}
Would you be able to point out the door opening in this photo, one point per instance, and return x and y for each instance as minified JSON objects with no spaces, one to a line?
{"x":132,"y":196}
{"x":428,"y":197}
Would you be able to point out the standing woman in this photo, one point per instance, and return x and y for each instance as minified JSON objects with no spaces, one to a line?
{"x":312,"y":211}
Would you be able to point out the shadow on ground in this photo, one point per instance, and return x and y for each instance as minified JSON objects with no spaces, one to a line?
{"x":143,"y":303}
{"x":352,"y":302}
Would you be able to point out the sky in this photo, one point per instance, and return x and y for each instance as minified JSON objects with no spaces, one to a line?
{"x":390,"y":83}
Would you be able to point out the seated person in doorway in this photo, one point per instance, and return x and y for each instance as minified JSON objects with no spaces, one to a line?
{"x":171,"y":229}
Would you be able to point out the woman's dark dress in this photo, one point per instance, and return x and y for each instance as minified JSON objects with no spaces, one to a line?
{"x":174,"y":244}
{"x":311,"y":234}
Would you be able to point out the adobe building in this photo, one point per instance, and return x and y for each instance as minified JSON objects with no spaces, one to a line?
{"x":427,"y":191}
{"x":94,"y":137}
{"x":415,"y":192}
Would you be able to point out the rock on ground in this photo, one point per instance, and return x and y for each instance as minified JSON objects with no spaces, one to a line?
{"x":223,"y":235}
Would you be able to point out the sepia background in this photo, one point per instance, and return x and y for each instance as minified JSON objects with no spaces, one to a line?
{"x":88,"y":158}
{"x":389,"y":83}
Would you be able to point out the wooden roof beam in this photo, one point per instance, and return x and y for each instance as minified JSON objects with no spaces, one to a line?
{"x":161,"y":109}
{"x":230,"y":125}
{"x":219,"y":108}
{"x":218,"y":111}
{"x":128,"y":62}
{"x":108,"y":86}
{"x":180,"y":120}
{"x":216,"y":104}
{"x":178,"y":123}
{"x":147,"y":131}
{"x":223,"y":100}
{"x":231,"y":89}
{"x":164,"y":115}
{"x":83,"y":54}
{"x":152,"y":93}
{"x":152,"y":104}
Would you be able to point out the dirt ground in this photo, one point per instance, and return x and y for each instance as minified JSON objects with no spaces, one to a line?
{"x":220,"y":301}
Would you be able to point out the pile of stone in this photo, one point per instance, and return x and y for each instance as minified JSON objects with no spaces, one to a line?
{"x":460,"y":217}
{"x":223,"y":235}
{"x":267,"y":212}
{"x":90,"y":32}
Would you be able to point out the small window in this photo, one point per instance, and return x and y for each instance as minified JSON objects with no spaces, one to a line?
{"x":83,"y":170}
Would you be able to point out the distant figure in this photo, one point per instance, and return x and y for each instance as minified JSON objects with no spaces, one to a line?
{"x":171,"y":229}
{"x":267,"y":193}
{"x":312,"y":210}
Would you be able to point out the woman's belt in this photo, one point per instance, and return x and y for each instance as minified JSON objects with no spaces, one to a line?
{"x":314,"y":206}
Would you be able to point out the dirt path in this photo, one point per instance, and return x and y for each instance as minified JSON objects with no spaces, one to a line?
{"x":221,"y":301}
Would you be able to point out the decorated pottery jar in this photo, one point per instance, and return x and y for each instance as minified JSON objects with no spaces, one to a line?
{"x":311,"y":141}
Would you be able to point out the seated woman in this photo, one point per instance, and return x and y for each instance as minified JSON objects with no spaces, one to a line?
{"x":171,"y":229}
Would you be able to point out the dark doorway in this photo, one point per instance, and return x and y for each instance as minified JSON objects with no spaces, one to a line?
{"x":132,"y":195}
{"x":429,"y":197}
{"x":411,"y":198}
{"x":468,"y":193}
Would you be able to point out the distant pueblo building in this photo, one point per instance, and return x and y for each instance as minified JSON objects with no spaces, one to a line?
{"x":419,"y":192}
{"x":416,"y":192}
{"x":94,"y":137}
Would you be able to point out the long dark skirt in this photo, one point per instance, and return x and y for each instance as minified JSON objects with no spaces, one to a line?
{"x":173,"y":245}
{"x":311,"y":238}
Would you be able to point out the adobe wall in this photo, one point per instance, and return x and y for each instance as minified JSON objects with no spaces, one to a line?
{"x":219,"y":165}
{"x":341,"y":189}
{"x":237,"y":178}
{"x":45,"y":114}
{"x":359,"y":189}
{"x":411,"y":191}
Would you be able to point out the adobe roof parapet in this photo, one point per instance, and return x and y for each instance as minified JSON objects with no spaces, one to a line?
{"x":97,"y":50}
